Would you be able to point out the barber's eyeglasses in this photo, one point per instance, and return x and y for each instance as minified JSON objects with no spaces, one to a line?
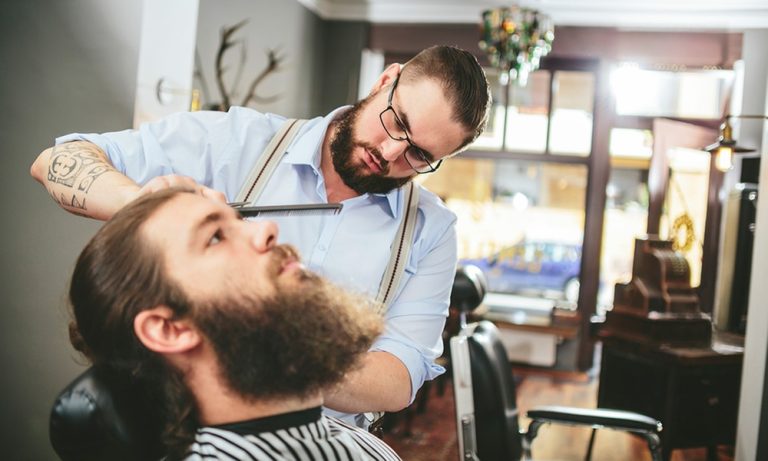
{"x":416,"y":157}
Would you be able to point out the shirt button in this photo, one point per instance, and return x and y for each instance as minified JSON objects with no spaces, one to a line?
{"x":322,"y":247}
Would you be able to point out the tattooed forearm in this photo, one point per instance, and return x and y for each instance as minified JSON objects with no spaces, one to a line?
{"x":74,"y":166}
{"x":73,"y":202}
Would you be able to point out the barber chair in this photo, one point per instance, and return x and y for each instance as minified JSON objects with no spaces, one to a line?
{"x":104,"y":415}
{"x":484,"y":389}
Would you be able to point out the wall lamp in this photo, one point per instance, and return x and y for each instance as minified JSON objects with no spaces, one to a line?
{"x":726,"y":146}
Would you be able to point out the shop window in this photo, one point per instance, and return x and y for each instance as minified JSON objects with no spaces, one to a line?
{"x":528,"y":114}
{"x":685,"y":208}
{"x":626,"y":218}
{"x":573,"y":99}
{"x":674,"y":93}
{"x":627,"y":143}
{"x":521,"y":222}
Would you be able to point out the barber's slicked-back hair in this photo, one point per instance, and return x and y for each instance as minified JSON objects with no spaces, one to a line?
{"x":463,"y":81}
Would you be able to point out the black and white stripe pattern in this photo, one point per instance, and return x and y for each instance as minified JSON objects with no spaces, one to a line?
{"x":326,"y":439}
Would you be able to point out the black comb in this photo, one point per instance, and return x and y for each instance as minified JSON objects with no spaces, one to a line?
{"x":286,"y":210}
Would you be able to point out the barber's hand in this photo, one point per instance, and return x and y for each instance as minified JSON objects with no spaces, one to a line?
{"x":173,"y":180}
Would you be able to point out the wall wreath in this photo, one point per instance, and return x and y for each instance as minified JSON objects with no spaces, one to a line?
{"x":682,"y":233}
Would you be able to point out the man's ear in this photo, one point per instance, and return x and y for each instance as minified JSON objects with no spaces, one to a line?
{"x":386,"y":77}
{"x":160,"y":332}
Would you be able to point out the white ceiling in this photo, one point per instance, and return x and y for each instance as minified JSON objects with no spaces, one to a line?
{"x":731,"y":15}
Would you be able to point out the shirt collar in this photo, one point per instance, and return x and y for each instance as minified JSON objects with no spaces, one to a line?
{"x":307,"y":150}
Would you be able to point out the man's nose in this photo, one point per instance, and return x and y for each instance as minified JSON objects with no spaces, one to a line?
{"x":392,"y":149}
{"x":263,"y":235}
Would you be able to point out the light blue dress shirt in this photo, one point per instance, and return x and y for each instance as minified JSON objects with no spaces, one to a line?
{"x":352,"y":248}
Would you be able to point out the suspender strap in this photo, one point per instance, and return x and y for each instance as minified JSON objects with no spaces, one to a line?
{"x":269,"y":160}
{"x":401,"y":249}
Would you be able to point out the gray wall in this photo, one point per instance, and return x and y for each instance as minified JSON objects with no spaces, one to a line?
{"x":71,"y":66}
{"x":66,"y":66}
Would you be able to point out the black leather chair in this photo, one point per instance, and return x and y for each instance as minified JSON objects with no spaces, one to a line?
{"x":103,"y":415}
{"x":486,"y":408}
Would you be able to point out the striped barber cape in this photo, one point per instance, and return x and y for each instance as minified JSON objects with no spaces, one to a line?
{"x":305,"y":435}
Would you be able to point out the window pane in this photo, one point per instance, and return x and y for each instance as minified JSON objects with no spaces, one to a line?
{"x":692,"y":94}
{"x":631,"y":143}
{"x":521,"y":223}
{"x":572,"y":104}
{"x":527,"y":112}
{"x":685,"y":207}
{"x":626,"y":217}
{"x":491,"y":137}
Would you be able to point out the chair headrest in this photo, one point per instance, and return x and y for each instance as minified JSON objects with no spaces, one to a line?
{"x":104,"y":415}
{"x":469,"y":288}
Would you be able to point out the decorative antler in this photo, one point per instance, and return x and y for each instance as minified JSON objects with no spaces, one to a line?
{"x":227,"y":42}
{"x":273,"y":63}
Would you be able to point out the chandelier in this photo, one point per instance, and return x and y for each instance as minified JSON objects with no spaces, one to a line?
{"x":515,"y":39}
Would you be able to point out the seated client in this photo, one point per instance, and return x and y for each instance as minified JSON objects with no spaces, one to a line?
{"x":234,"y":340}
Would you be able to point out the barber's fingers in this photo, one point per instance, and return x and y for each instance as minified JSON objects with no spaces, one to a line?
{"x":213,"y":194}
{"x":164,"y":182}
{"x":172,"y":180}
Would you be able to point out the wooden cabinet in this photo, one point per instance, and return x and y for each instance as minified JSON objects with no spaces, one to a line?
{"x":694,"y":392}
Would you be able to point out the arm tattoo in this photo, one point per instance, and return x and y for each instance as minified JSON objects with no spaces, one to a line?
{"x":74,"y":202}
{"x":75,"y":167}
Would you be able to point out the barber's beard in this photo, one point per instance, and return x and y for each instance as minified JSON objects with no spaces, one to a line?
{"x":353,"y":174}
{"x":297,"y":342}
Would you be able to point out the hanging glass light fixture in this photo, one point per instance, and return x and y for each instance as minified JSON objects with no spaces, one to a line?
{"x":726,"y":146}
{"x":515,"y":39}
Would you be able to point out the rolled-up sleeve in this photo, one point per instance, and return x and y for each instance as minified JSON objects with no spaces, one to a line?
{"x":416,"y":317}
{"x":213,"y":148}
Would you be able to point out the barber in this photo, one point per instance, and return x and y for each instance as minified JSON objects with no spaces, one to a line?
{"x":363,"y":156}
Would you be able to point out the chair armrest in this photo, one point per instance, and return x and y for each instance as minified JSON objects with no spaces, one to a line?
{"x":642,"y":425}
{"x":599,"y":417}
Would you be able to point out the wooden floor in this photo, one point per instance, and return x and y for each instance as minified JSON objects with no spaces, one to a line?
{"x":432,"y":434}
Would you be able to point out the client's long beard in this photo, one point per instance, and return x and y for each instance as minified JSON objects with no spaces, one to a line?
{"x":304,"y":339}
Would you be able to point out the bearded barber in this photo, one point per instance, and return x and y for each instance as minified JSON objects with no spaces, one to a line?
{"x":364,"y":156}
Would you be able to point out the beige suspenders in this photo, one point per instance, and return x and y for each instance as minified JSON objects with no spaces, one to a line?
{"x":401,"y":245}
{"x":269,"y":160}
{"x":401,"y":249}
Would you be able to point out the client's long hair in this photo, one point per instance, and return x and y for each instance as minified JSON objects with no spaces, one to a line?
{"x":118,"y":275}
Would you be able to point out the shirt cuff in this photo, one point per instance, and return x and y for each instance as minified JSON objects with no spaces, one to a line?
{"x":419,"y":367}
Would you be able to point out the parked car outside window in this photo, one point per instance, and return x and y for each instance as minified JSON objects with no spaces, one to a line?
{"x":548,"y":269}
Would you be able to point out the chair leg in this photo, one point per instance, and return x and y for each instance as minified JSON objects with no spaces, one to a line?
{"x":530,"y":434}
{"x":654,"y":444}
{"x":588,"y":457}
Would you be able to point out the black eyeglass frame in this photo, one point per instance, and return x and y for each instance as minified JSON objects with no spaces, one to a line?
{"x":418,"y":151}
